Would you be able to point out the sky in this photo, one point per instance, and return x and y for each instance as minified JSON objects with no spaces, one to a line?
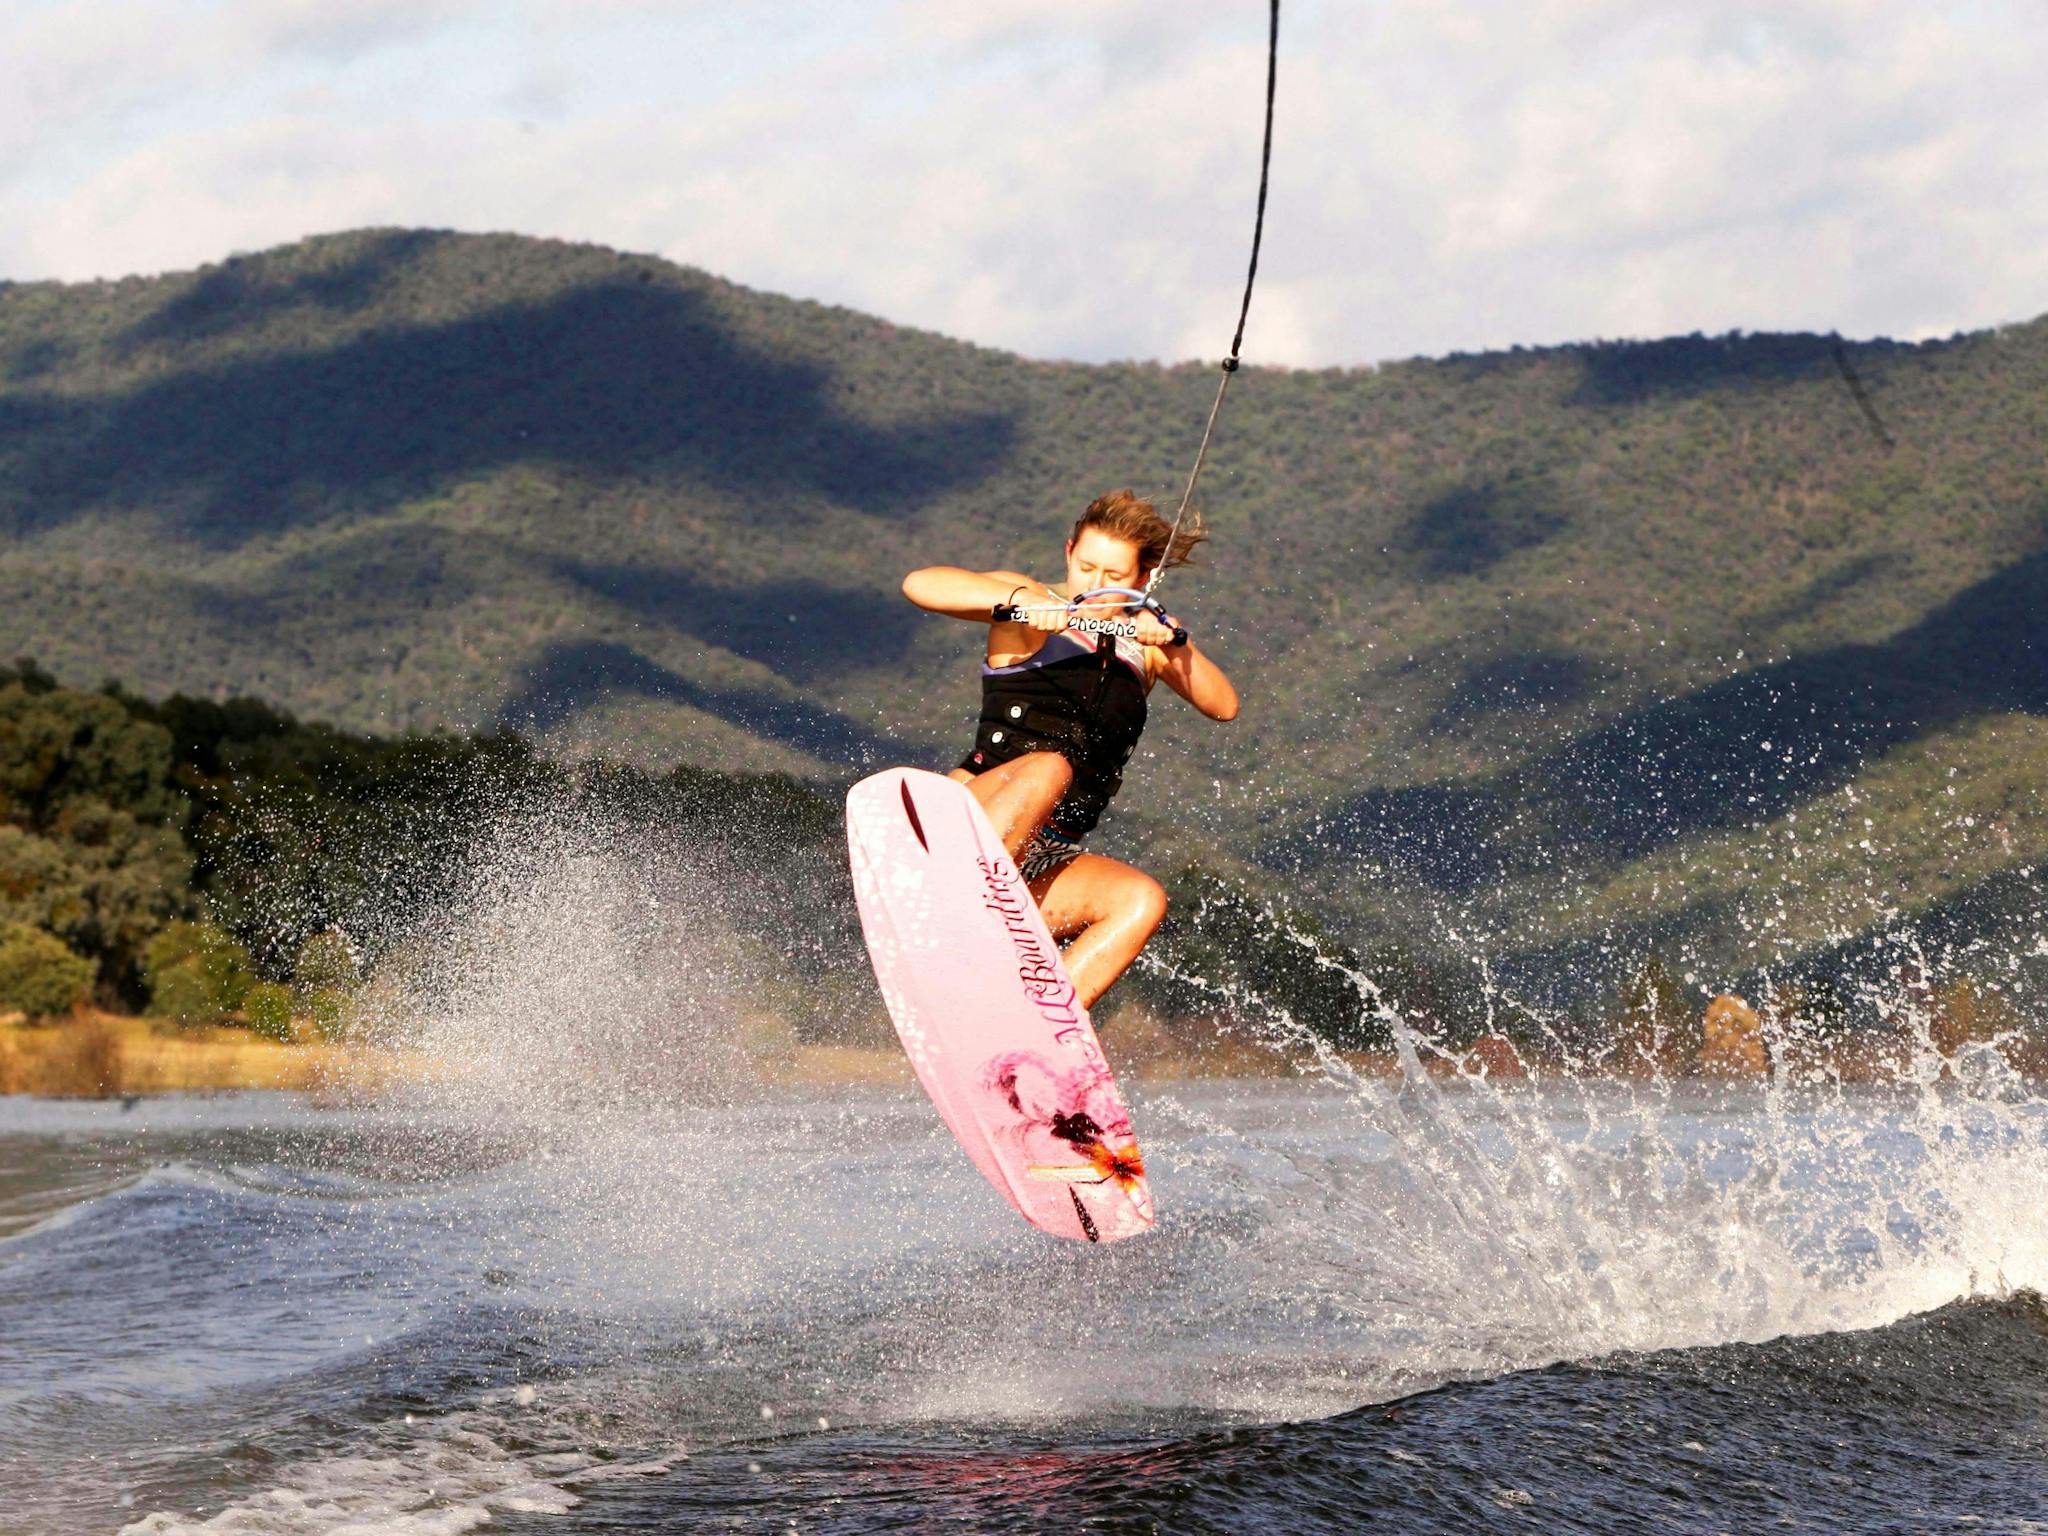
{"x":1075,"y":178}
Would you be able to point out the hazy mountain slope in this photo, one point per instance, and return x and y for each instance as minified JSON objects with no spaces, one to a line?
{"x":1513,"y":627}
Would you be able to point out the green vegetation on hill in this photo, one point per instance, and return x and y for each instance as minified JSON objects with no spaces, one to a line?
{"x":124,"y":821}
{"x":121,"y":819}
{"x":1549,"y":645}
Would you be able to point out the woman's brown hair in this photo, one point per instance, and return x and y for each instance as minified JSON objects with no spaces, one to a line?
{"x":1122,"y":515}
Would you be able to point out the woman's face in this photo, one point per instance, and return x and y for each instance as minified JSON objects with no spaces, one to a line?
{"x":1098,"y":559}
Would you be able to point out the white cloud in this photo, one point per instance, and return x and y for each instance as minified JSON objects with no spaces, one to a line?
{"x":342,"y":30}
{"x":1075,"y":177}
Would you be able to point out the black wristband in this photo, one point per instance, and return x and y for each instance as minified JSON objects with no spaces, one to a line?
{"x":1180,"y":634}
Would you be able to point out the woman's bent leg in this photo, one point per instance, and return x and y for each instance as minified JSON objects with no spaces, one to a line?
{"x":1108,"y":909}
{"x":1020,"y":795}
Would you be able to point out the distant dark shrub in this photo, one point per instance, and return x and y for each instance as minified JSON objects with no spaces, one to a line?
{"x":197,"y":974}
{"x":327,"y":959}
{"x":39,"y":975}
{"x":268,"y":1008}
{"x":332,"y":1011}
{"x":181,"y":994}
{"x":173,"y":943}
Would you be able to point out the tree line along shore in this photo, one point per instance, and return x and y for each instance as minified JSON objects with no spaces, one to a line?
{"x":185,"y":887}
{"x":1955,"y":1033}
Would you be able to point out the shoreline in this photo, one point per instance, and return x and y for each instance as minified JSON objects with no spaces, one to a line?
{"x":99,"y":1055}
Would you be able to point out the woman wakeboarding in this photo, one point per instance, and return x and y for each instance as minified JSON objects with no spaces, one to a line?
{"x":995,"y":1026}
{"x":1063,"y":702}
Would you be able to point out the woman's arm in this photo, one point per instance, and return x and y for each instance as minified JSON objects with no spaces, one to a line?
{"x":973,"y":595}
{"x":1198,"y":680}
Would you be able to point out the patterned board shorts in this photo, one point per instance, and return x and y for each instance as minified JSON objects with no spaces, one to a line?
{"x":1046,"y":853}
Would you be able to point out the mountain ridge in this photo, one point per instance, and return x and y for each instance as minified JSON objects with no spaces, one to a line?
{"x":1483,"y":609}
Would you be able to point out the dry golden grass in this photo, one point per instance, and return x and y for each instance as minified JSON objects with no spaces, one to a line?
{"x":78,"y":1057}
{"x":98,"y":1055}
{"x":1136,"y":1061}
{"x":103,"y":1055}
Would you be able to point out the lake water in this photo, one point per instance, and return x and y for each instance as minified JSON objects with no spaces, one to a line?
{"x":1392,"y":1306}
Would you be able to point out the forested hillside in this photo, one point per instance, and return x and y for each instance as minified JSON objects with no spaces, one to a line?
{"x":1568,"y":646}
{"x":177,"y":853}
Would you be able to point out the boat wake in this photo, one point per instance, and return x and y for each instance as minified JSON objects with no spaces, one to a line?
{"x":599,"y":1271}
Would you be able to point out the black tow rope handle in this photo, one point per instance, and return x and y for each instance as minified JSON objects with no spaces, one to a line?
{"x":1088,"y":624}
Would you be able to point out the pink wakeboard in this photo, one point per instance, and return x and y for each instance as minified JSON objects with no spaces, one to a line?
{"x":982,"y":1002}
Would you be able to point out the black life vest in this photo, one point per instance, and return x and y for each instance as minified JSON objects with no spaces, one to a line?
{"x":1082,"y":696}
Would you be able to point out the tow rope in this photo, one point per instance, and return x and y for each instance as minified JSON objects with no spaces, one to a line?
{"x":1134,"y":598}
{"x":1243,"y":310}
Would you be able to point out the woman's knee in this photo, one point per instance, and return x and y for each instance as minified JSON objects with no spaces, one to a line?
{"x":1049,"y":770}
{"x":1146,"y":902}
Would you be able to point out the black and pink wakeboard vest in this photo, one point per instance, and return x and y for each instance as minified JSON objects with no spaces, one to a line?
{"x":1081,"y":696}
